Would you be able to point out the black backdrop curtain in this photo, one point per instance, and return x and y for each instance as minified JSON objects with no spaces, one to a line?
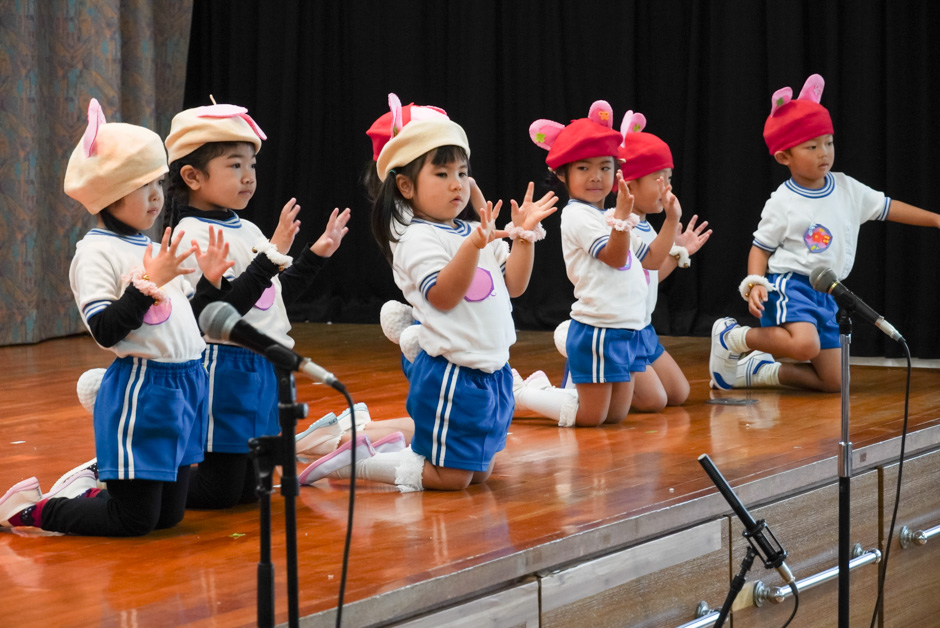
{"x":316,"y":74}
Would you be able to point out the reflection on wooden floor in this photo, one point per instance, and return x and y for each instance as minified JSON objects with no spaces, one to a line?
{"x":549,"y":484}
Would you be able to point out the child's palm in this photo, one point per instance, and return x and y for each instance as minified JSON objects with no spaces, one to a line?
{"x":336,"y":228}
{"x":167,"y":264}
{"x":531,"y":213}
{"x":214,"y":261}
{"x":287,"y":227}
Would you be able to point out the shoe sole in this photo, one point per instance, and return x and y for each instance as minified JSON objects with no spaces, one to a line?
{"x":71,"y":472}
{"x":18,"y":498}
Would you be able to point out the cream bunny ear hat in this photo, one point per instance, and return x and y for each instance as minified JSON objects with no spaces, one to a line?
{"x":192,"y":128}
{"x":112,"y":160}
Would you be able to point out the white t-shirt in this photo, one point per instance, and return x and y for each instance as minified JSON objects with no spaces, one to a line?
{"x":806,"y":229}
{"x":644,"y":236}
{"x":606,"y":296}
{"x":268,"y":314}
{"x":169,"y":332}
{"x":478,"y":332}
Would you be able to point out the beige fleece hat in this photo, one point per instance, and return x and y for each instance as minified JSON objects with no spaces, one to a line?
{"x":417,"y":138}
{"x":192,"y":128}
{"x":112,"y":160}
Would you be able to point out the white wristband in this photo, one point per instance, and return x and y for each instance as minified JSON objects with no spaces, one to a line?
{"x":270,"y":251}
{"x":617,"y":224}
{"x":681,"y":254}
{"x":529,"y":236}
{"x":142,"y":282}
{"x":753,"y":280}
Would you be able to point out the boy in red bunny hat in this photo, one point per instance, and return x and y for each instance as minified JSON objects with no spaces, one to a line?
{"x":810,"y":222}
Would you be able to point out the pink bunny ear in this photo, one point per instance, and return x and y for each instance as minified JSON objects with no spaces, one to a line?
{"x":254,"y":126}
{"x":545,"y":132}
{"x":632,"y":123}
{"x":813,"y":88}
{"x":394,"y":104}
{"x":95,"y":120}
{"x":231,"y":111}
{"x":602,"y":113}
{"x":781,"y":97}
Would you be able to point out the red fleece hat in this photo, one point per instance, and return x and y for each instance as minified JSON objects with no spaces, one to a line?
{"x":793,"y":122}
{"x":641,"y":153}
{"x":584,"y":138}
{"x":390,"y":123}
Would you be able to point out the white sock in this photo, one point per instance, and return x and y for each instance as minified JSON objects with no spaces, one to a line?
{"x":769,"y":375}
{"x":735,"y":339}
{"x":403,"y":468}
{"x":559,"y":404}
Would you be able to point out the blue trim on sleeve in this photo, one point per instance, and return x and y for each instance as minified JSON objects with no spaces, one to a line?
{"x":887,"y":210}
{"x":598,"y":246}
{"x":427,"y":283}
{"x":764,"y":247}
{"x":95,"y":307}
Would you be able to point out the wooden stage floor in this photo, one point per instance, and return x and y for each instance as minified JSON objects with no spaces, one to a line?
{"x":555,"y":497}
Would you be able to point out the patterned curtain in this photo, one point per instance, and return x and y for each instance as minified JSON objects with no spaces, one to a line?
{"x":55,"y":55}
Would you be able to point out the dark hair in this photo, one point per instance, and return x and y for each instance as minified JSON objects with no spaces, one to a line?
{"x":177,"y":192}
{"x":387,"y":200}
{"x":554,"y":182}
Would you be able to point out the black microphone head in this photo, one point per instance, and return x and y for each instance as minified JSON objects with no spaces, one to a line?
{"x":217,"y":320}
{"x":822,"y":279}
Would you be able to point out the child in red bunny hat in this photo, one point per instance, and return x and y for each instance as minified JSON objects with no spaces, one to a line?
{"x":810,"y":222}
{"x":610,"y":285}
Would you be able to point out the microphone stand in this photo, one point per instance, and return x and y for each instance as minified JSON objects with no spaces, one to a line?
{"x":266,"y":453}
{"x":845,"y":474}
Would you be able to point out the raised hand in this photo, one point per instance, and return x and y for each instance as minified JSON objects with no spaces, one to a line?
{"x":531,"y":213}
{"x":670,"y":202}
{"x":166,"y":264}
{"x":486,"y":231}
{"x":214,"y":261}
{"x":336,"y":228}
{"x":693,"y":236}
{"x":287,"y":227}
{"x":624,"y":206}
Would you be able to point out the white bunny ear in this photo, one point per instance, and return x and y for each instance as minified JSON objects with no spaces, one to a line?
{"x":394,"y":104}
{"x":813,"y":88}
{"x":545,"y":132}
{"x":95,"y":120}
{"x":632,"y":123}
{"x":602,"y":113}
{"x":781,"y":97}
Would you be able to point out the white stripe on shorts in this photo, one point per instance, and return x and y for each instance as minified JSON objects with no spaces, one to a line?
{"x":212,"y":358}
{"x":129,"y":418}
{"x":442,"y":415}
{"x":597,"y":352}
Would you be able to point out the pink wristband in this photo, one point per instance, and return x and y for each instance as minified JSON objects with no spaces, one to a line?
{"x":529,"y":236}
{"x":617,"y":224}
{"x":142,"y":282}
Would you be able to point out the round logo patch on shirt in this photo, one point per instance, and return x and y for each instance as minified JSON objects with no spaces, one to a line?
{"x":266,"y":300}
{"x":481,"y":287}
{"x":158,"y":312}
{"x":630,"y":263}
{"x":817,"y":238}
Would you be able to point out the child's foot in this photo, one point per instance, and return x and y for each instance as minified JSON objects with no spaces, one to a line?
{"x":340,"y":458}
{"x":320,"y":438}
{"x":91,"y":467}
{"x":748,"y":366}
{"x":389,"y":444}
{"x":362,"y":417}
{"x":538,"y":380}
{"x":722,"y":363}
{"x":21,"y":496}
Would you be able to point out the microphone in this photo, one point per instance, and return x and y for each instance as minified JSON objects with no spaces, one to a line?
{"x":221,"y":321}
{"x":826,"y":280}
{"x":756,"y":532}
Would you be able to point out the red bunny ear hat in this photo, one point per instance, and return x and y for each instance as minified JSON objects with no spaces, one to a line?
{"x":391,"y":122}
{"x":583,"y":138}
{"x":793,"y":122}
{"x":641,"y":153}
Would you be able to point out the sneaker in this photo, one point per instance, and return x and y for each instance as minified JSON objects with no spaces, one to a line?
{"x":75,"y":483}
{"x":20,"y":497}
{"x":362,"y":417}
{"x":320,"y":438}
{"x":722,"y":364}
{"x":748,"y":366}
{"x":340,"y":458}
{"x":538,"y":380}
{"x":389,"y":444}
{"x":91,"y":465}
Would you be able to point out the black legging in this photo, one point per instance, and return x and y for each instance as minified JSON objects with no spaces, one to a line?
{"x":126,"y":508}
{"x":222,"y":481}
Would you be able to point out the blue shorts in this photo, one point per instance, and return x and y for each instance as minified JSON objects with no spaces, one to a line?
{"x":794,"y":300}
{"x":461,"y":414}
{"x":150,"y":418}
{"x":600,"y":355}
{"x":650,"y":347}
{"x":242,"y":398}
